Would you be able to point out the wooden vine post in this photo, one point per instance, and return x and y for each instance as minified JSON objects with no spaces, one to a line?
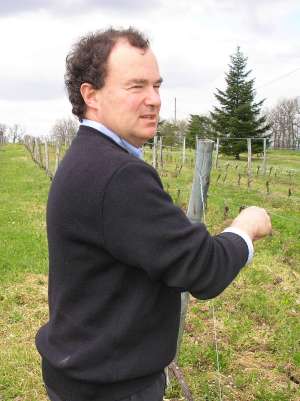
{"x":39,"y":152}
{"x":161,"y":162}
{"x":264,"y":164}
{"x":183,"y":151}
{"x":217,"y":152}
{"x":154,"y":152}
{"x":196,"y":208}
{"x":249,"y":156}
{"x":36,"y":150}
{"x":57,"y":155}
{"x":46,"y":157}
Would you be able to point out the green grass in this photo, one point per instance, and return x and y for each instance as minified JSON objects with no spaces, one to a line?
{"x":23,"y":267}
{"x":257,"y":318}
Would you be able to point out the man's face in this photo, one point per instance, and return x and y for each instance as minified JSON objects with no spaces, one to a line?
{"x":129,"y":102}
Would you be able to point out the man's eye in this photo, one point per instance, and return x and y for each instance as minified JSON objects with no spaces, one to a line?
{"x":136,"y":87}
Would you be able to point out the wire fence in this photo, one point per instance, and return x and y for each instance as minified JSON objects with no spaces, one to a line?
{"x":175,"y":165}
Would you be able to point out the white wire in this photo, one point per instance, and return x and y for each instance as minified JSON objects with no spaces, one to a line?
{"x":212,"y":301}
{"x":217,"y":350}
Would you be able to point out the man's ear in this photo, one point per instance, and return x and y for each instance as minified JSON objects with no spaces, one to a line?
{"x":89,"y":95}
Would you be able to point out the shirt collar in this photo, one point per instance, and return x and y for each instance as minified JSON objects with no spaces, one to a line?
{"x":120,"y":141}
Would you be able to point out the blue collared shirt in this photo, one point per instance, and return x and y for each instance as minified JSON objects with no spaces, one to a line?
{"x":116,"y":138}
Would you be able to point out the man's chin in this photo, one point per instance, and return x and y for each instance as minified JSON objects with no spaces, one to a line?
{"x":139,"y":138}
{"x":150,"y":134}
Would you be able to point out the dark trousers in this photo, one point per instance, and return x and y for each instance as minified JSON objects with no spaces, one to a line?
{"x":153,"y":393}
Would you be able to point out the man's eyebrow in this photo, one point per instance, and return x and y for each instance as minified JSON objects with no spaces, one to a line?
{"x":142,"y":81}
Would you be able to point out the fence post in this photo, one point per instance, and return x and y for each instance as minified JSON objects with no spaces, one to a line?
{"x":154,"y":152}
{"x":57,"y":154}
{"x":39,"y":153}
{"x":249,"y":155}
{"x":161,"y":152}
{"x":35,"y":152}
{"x":31,"y":146}
{"x":204,"y":152}
{"x":264,"y":165}
{"x":217,"y":153}
{"x":183,"y":151}
{"x":46,"y":157}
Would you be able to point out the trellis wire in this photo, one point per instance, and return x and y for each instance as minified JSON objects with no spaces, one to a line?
{"x":268,"y":211}
{"x":212,"y":302}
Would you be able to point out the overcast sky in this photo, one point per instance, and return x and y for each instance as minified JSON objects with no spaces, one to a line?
{"x":192,"y":39}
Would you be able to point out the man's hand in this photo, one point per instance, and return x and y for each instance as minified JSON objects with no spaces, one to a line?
{"x":254,"y":221}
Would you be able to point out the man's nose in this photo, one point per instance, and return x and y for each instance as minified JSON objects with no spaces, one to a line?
{"x":153,"y":97}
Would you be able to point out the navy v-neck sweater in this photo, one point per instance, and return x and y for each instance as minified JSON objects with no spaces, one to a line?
{"x":120,"y":254}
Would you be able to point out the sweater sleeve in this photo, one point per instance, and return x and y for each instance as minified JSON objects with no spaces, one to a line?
{"x":144,"y":229}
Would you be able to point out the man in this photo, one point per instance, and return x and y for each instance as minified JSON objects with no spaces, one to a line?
{"x":120,"y":252}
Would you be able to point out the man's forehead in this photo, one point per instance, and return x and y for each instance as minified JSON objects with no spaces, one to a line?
{"x":132,"y":63}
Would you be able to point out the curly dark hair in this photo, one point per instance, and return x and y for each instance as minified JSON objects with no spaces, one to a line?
{"x":87,"y":62}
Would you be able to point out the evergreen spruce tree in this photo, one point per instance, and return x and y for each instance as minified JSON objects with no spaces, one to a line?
{"x":238,"y":115}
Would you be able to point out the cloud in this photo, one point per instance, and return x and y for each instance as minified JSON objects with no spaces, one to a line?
{"x":186,"y":73}
{"x":192,"y":40}
{"x":69,"y":8}
{"x":19,"y":6}
{"x":256,"y":17}
{"x":37,"y":117}
{"x":19,"y":90}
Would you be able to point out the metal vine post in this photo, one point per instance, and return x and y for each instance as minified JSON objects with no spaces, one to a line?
{"x":196,"y":209}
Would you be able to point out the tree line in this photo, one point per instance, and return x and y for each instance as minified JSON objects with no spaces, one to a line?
{"x":283,"y":132}
{"x":63,"y":131}
{"x":13,"y":134}
{"x":285,"y":124}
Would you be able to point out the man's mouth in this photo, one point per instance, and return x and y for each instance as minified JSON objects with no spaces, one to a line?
{"x":149,"y":116}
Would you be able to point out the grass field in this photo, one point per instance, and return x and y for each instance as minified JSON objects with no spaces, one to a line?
{"x":257,"y":323}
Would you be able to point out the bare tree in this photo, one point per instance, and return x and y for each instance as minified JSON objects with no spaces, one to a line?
{"x":3,"y":130}
{"x":182,"y":127}
{"x":64,"y":130}
{"x":172,"y":131}
{"x":285,"y":123}
{"x":16,"y":133}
